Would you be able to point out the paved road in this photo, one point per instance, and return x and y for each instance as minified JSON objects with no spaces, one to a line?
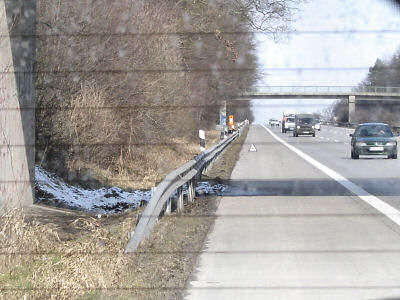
{"x":287,"y":230}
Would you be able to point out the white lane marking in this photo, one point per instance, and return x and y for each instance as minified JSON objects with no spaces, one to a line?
{"x":328,"y":139}
{"x":372,"y":200}
{"x":321,"y":137}
{"x":336,"y":141}
{"x":346,"y":143}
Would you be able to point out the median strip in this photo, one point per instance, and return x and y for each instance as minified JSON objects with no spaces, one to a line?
{"x":389,"y":211}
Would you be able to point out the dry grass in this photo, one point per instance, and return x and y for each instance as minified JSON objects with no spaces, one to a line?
{"x":154,"y":163}
{"x":36,"y":264}
{"x":75,"y":256}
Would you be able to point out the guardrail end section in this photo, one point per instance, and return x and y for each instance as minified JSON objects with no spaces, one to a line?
{"x":134,"y":243}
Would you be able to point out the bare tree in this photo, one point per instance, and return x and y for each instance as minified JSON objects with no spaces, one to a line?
{"x":266,"y":15}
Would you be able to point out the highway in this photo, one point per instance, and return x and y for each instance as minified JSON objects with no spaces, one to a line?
{"x":301,"y":220}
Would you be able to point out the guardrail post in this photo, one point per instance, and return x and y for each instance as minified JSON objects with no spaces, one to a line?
{"x":180,"y":199}
{"x":205,"y":169}
{"x":191,"y":190}
{"x":168,"y":207}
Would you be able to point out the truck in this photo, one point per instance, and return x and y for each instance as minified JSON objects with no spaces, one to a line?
{"x":288,"y":120}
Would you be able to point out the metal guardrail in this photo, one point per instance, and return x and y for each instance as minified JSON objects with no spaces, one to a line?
{"x":161,"y":201}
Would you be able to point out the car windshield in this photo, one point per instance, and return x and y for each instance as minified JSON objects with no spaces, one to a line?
{"x":374,"y":131}
{"x":306,"y":121}
{"x":290,"y":120}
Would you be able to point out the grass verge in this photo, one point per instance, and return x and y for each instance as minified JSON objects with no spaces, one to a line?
{"x":55,"y":254}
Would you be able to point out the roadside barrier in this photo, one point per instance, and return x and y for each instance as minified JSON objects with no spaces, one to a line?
{"x":161,"y":199}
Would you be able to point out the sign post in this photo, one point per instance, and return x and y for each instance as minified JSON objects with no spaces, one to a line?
{"x":202,"y":136}
{"x":222,"y":119}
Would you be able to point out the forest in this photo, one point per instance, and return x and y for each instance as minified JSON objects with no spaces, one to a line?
{"x":124,"y":86}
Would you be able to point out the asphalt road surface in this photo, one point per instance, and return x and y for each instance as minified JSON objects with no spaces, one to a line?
{"x":302,"y":220}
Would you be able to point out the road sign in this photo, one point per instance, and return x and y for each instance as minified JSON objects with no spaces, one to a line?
{"x":253,"y":148}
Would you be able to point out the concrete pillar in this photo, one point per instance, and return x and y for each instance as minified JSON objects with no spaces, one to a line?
{"x":352,"y":109}
{"x":17,"y":105}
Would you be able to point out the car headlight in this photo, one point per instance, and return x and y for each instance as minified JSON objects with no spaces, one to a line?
{"x":313,"y":127}
{"x":298,"y":127}
{"x":361,"y":144}
{"x":391,"y":144}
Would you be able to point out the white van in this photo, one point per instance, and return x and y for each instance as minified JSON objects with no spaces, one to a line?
{"x":289,"y":124}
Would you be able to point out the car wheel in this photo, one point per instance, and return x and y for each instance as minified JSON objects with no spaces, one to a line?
{"x":352,"y":155}
{"x":394,"y":156}
{"x":356,"y":156}
{"x":313,"y":135}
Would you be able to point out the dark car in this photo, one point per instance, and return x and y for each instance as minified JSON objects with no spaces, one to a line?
{"x":304,"y":125}
{"x":373,"y":139}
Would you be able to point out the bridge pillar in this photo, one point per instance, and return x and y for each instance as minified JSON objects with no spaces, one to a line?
{"x":17,"y":113}
{"x":352,"y":109}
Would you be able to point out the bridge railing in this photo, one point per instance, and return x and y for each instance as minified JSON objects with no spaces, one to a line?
{"x":324,"y":89}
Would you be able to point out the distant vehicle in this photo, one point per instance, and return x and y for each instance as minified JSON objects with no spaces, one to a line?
{"x":373,"y":139}
{"x":289,"y":124}
{"x":274,"y":122}
{"x":304,"y":125}
{"x":288,"y":120}
{"x":317,"y":124}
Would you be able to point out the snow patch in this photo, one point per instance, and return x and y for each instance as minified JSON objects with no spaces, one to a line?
{"x":50,"y":189}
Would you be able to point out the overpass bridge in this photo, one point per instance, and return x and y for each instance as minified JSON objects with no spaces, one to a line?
{"x":351,"y":93}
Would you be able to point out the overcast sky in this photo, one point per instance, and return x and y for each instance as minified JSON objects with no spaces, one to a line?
{"x":334,"y":43}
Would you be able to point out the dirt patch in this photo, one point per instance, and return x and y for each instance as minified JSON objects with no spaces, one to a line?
{"x":51,"y":253}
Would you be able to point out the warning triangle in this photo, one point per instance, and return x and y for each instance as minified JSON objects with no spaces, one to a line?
{"x":253,"y":148}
